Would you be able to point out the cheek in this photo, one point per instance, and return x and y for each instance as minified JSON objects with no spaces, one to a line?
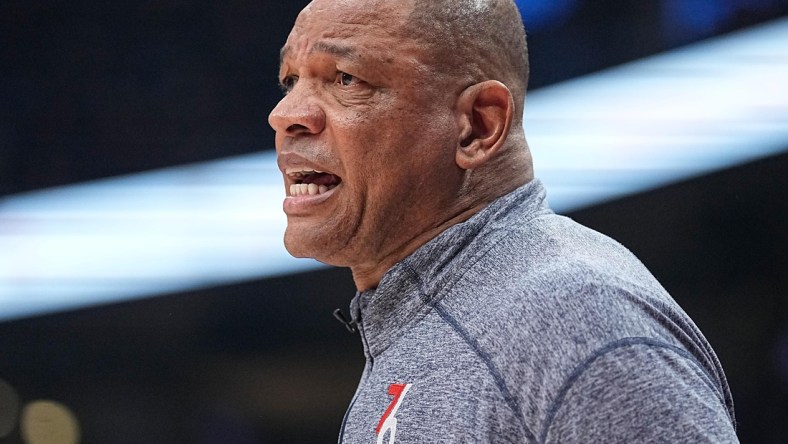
{"x":394,"y":142}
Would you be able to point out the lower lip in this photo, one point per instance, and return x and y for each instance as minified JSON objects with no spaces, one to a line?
{"x":301,"y":205}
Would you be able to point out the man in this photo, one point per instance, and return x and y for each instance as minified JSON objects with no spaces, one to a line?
{"x":484,"y":316}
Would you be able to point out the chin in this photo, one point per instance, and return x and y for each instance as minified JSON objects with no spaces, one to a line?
{"x":308,"y":246}
{"x":296,"y":247}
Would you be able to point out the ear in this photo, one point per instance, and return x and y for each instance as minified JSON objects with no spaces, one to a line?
{"x":485,"y":111}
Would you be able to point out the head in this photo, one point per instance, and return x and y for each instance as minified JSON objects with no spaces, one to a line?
{"x":399,"y":120}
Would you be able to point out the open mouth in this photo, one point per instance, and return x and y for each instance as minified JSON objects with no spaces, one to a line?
{"x":312,"y":183}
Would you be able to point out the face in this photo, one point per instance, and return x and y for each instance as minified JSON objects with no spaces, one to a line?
{"x":365,"y":135}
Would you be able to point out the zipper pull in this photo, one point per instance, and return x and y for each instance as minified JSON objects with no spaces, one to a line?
{"x":350,"y":325}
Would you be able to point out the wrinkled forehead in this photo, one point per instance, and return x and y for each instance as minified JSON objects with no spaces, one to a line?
{"x":352,"y":18}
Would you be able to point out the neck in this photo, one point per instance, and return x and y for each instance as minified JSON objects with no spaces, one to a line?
{"x":499,"y":176}
{"x":368,"y":276}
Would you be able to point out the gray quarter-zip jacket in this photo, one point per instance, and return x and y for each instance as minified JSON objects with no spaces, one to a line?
{"x":522,"y":326}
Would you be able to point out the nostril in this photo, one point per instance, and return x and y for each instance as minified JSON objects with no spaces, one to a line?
{"x":296,"y":128}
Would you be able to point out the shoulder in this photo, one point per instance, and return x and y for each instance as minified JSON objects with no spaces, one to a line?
{"x":557,"y":283}
{"x":639,"y":390}
{"x":550,"y":266}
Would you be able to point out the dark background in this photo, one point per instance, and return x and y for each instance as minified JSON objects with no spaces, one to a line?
{"x":93,"y":89}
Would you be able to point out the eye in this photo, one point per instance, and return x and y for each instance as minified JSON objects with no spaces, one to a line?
{"x":346,"y":79}
{"x":288,"y":83}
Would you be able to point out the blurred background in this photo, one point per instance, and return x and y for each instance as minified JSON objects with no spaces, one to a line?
{"x":145,"y":296}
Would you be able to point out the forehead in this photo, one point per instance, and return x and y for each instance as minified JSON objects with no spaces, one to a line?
{"x":360,"y":21}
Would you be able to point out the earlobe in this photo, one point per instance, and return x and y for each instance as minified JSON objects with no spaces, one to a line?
{"x":485,"y":112}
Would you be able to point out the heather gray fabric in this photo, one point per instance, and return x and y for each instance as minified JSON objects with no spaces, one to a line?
{"x":519,"y":326}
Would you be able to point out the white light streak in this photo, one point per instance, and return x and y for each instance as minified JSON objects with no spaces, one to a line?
{"x":626,"y":130}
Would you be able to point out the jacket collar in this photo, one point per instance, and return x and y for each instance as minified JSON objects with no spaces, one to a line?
{"x":411,"y":287}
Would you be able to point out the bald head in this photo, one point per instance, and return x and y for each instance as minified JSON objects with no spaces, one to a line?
{"x":474,"y":41}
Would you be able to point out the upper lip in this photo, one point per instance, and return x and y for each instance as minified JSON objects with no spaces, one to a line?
{"x":293,"y":165}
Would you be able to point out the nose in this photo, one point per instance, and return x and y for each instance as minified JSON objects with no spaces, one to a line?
{"x":298,"y":113}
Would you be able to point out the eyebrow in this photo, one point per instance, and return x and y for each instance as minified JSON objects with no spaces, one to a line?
{"x":337,"y":50}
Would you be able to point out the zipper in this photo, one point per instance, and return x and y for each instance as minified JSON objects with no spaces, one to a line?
{"x":353,"y":402}
{"x":356,"y":321}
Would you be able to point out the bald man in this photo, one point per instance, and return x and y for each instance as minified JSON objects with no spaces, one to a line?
{"x":484,"y":316}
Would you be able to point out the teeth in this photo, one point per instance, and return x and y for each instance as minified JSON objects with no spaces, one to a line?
{"x":301,"y":172}
{"x":312,"y":189}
